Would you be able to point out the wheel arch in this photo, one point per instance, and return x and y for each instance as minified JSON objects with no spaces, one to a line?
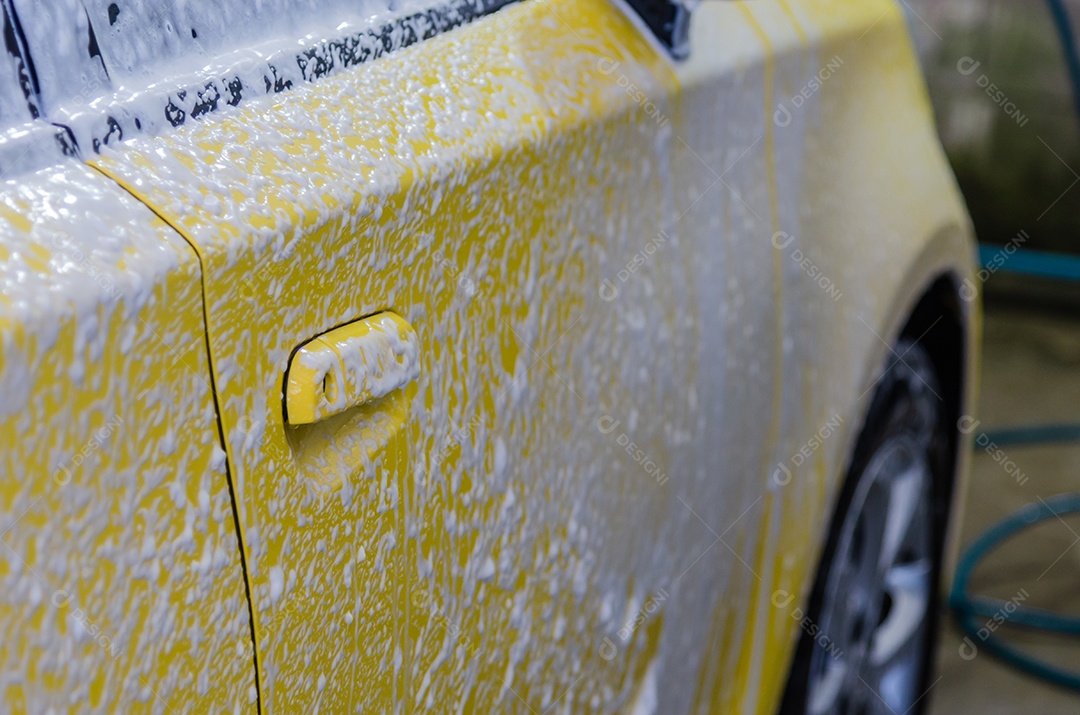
{"x":938,"y":304}
{"x":942,"y":317}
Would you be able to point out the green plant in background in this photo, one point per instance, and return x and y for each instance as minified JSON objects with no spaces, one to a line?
{"x":1000,"y":88}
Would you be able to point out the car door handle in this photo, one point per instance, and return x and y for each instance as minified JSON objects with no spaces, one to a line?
{"x":350,"y":366}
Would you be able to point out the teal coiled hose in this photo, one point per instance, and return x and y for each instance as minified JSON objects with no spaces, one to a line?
{"x":979,"y":616}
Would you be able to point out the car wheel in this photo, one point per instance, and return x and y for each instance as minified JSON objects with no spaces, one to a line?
{"x":869,"y":629}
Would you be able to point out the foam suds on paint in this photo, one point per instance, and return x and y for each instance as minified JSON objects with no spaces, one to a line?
{"x":593,"y":311}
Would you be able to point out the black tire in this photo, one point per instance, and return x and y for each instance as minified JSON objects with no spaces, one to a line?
{"x":906,"y":410}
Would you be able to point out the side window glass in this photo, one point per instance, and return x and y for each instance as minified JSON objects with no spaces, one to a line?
{"x":26,"y":142}
{"x":669,"y":21}
{"x":105,"y":70}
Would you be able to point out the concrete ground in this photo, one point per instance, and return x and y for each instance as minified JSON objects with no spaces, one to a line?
{"x":1030,"y":375}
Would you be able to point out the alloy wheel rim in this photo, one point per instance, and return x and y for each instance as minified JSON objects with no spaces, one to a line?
{"x":870,"y":645}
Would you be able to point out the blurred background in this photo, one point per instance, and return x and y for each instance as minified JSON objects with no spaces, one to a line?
{"x":1007,"y":113}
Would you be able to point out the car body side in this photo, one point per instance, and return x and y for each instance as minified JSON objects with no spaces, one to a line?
{"x":652,"y":300}
{"x":122,"y":583}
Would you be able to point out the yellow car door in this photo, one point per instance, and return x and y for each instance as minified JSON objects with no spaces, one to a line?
{"x":506,"y":363}
{"x":122,"y":587}
{"x":512,"y":529}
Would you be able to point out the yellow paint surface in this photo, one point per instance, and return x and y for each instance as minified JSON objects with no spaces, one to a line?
{"x":120,"y":581}
{"x":573,"y":507}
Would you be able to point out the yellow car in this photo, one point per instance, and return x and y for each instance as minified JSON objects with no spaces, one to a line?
{"x":473,"y":356}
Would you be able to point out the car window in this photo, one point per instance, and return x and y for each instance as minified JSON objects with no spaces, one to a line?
{"x":25,"y":141}
{"x":108,"y":70}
